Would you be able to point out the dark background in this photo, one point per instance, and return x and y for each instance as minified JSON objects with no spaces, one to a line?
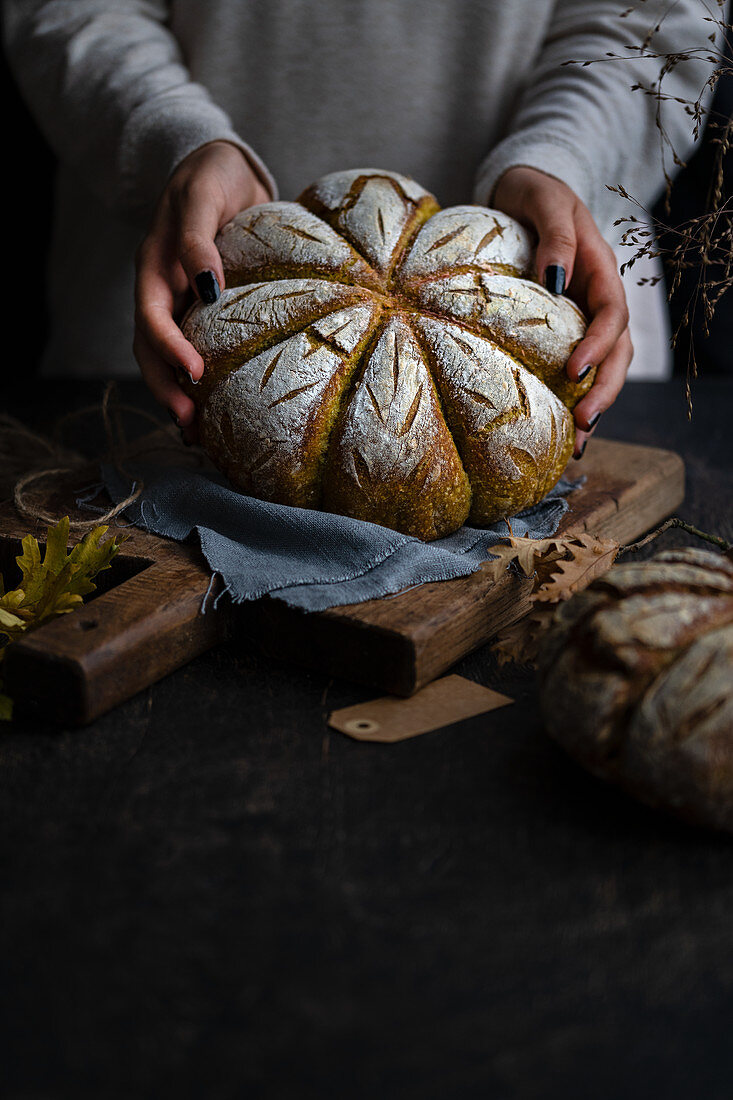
{"x":29,"y":169}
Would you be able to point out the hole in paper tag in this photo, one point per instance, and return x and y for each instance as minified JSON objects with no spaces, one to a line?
{"x":359,"y":727}
{"x":441,"y":703}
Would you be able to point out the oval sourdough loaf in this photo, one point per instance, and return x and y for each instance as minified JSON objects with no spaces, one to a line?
{"x":376,"y":356}
{"x":636,"y":682}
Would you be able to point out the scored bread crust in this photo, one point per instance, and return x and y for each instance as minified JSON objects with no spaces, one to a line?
{"x":379,"y":357}
{"x":635,"y":681}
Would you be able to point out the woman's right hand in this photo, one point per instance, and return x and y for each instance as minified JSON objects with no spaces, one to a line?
{"x":178,"y":255}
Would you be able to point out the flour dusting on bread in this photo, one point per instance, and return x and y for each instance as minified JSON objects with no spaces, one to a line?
{"x":386,"y":359}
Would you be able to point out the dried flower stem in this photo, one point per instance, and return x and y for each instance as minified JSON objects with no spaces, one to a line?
{"x":726,"y":547}
{"x":704,"y":243}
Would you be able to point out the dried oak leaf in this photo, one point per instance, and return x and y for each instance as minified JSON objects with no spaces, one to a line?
{"x":587,"y":558}
{"x":531,"y":556}
{"x":564,"y":564}
{"x":559,"y":567}
{"x":520,"y":643}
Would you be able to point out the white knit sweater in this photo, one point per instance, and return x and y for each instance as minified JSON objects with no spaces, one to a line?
{"x":451,"y":92}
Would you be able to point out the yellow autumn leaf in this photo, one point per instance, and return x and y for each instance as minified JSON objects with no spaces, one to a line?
{"x":53,"y":583}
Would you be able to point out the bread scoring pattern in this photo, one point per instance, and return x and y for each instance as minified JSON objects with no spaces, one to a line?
{"x":376,"y":356}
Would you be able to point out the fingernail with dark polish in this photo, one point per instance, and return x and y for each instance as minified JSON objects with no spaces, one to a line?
{"x":555,"y":278}
{"x":594,"y":420}
{"x":207,"y":287}
{"x":585,"y":372}
{"x":174,"y":418}
{"x":580,"y":452}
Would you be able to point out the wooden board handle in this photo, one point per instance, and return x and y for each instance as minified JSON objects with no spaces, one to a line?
{"x":78,"y":666}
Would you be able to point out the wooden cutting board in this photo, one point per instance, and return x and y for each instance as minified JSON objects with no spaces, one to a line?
{"x":146,"y":619}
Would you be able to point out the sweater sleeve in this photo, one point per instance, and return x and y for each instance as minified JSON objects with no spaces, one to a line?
{"x":585,"y":124}
{"x":107,"y":84}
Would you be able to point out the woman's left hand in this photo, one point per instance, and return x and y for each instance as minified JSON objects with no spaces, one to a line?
{"x":572,"y":256}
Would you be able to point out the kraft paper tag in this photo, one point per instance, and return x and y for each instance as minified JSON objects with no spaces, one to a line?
{"x":440,"y":703}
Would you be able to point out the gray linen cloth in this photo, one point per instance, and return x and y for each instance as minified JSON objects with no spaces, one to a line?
{"x":310,"y":559}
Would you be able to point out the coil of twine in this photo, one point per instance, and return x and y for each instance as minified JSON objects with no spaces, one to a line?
{"x":33,"y":466}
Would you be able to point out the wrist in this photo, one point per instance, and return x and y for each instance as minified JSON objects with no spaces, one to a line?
{"x":521,"y":177}
{"x":234,"y":160}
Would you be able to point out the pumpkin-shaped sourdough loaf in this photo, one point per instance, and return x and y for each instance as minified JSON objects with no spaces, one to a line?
{"x":378,"y":357}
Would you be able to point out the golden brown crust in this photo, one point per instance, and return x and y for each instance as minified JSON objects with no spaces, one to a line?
{"x":636,"y":684}
{"x":385,"y":359}
{"x":279,"y":240}
{"x":361,"y":212}
{"x":392,"y":459}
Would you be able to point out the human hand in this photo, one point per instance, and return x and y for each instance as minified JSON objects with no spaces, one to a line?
{"x":178,"y":255}
{"x":572,"y":255}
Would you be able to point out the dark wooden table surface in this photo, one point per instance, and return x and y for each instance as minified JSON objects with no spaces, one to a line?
{"x":207,"y":893}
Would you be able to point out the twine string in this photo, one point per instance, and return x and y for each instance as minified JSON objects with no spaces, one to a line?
{"x":29,"y":460}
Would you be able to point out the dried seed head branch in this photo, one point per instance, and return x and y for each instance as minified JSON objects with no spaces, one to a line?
{"x":675,"y":521}
{"x":703,"y":244}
